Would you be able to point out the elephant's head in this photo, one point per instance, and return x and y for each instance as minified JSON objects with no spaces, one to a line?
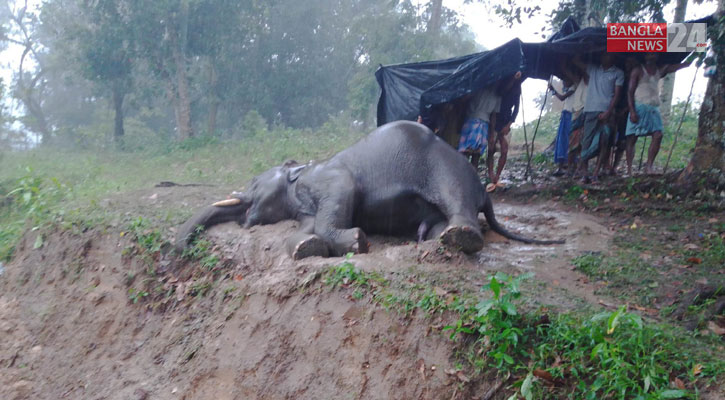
{"x":266,"y":201}
{"x":269,"y":196}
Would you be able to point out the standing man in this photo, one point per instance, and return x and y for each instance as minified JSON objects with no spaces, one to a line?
{"x":561,"y":147}
{"x":480,"y":119}
{"x":509,"y":109}
{"x":605,"y":82}
{"x":644,"y":107}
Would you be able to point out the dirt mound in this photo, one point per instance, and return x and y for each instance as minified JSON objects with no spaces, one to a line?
{"x":76,"y":322}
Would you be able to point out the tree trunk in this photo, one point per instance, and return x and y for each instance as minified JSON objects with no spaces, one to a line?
{"x":593,"y":14}
{"x":668,"y":83}
{"x":436,"y":9}
{"x":118,"y":95}
{"x":213,"y":100}
{"x":709,"y":155}
{"x":183,"y":100}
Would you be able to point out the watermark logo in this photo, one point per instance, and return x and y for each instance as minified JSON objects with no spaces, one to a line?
{"x":679,"y":37}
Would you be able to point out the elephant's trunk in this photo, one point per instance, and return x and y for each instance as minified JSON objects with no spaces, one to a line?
{"x":234,"y":209}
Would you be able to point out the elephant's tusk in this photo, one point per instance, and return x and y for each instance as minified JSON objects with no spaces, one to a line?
{"x":227,"y":202}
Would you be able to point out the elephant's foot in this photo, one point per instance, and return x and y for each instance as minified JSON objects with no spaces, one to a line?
{"x":352,"y":241}
{"x":309,"y":246}
{"x":466,"y":238}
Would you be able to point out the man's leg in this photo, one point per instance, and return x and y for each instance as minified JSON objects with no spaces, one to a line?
{"x":654,"y":148}
{"x":492,"y":138}
{"x":587,"y":140}
{"x":602,"y":159}
{"x":475,"y":158}
{"x":504,"y":141}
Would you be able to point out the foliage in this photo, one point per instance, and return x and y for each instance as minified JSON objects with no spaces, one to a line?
{"x":348,"y":275}
{"x":32,"y":200}
{"x":610,"y":354}
{"x":297,"y":64}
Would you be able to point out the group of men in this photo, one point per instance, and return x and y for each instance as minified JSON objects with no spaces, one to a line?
{"x":605,"y":110}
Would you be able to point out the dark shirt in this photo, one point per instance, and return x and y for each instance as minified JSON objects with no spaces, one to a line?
{"x":509,"y":107}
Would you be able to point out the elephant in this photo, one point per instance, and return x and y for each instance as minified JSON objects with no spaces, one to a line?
{"x":399,"y":180}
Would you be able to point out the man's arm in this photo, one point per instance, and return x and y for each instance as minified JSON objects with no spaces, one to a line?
{"x":633,"y":82}
{"x":559,"y":96}
{"x":515,"y":112}
{"x":670,"y":68}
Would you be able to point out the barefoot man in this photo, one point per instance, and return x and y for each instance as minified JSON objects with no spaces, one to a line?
{"x":643,"y":97}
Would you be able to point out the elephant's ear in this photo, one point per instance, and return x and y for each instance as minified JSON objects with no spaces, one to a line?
{"x":294,"y":172}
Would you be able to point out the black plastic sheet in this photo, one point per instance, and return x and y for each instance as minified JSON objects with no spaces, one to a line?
{"x":420,"y":89}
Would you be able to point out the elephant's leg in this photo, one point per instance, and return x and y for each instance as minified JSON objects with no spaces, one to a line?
{"x":459,"y":203}
{"x":304,"y":243}
{"x":333,"y":221}
{"x":436,"y":230}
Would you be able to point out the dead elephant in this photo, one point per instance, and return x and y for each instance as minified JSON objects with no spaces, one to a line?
{"x":399,"y":180}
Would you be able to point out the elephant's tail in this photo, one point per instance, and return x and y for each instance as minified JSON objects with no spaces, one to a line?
{"x":220,"y":212}
{"x":487,"y":210}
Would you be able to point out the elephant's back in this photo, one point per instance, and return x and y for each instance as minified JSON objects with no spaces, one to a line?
{"x":401,"y":142}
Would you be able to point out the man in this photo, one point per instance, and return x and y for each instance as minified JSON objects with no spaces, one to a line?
{"x":643,"y":98}
{"x":480,"y":118}
{"x":604,"y":83}
{"x":477,"y":132}
{"x":621,"y":115}
{"x":577,"y":124}
{"x":510,"y":97}
{"x":561,"y":147}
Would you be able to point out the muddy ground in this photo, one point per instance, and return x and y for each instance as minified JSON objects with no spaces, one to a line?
{"x":74,"y":324}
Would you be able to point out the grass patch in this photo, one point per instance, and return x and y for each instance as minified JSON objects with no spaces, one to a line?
{"x":50,"y":184}
{"x":571,"y":355}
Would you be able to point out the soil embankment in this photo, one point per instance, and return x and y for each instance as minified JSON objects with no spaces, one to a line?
{"x":74,"y":322}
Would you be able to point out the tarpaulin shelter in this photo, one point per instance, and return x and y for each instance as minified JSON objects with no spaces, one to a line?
{"x":410,"y":90}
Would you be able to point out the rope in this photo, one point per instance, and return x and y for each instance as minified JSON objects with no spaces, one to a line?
{"x":682,"y":118}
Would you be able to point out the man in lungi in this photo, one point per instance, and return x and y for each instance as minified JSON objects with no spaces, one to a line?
{"x":480,"y":120}
{"x":605,"y":82}
{"x":643,"y":97}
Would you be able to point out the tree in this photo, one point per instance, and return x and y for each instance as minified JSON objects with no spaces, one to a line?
{"x":21,"y":29}
{"x":708,"y":158}
{"x":668,"y":83}
{"x":105,"y":51}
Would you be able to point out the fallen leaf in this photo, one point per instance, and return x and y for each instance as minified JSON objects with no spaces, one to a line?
{"x":702,"y":281}
{"x":679,"y":383}
{"x":462,"y":377}
{"x":691,"y":246}
{"x":543,"y":374}
{"x":440,"y":291}
{"x":712,"y":220}
{"x":238,"y":277}
{"x":696,"y":369}
{"x":633,"y":226}
{"x":694,"y":260}
{"x":715,"y":328}
{"x":645,"y":196}
{"x":668,"y":196}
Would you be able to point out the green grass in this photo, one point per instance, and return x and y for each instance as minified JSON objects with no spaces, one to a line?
{"x":575,"y":355}
{"x":50,"y":184}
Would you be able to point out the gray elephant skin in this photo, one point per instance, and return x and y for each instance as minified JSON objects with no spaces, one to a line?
{"x":400,"y":180}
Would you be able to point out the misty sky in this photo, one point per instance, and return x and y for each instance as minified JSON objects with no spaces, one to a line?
{"x":490,"y":34}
